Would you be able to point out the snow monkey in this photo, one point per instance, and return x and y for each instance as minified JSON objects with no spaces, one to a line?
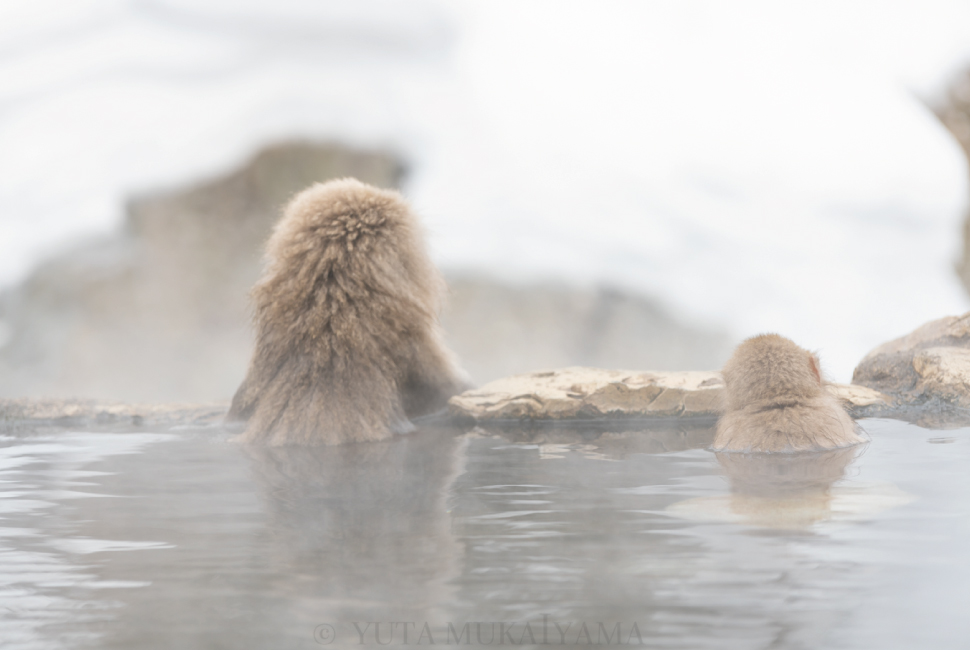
{"x":775,"y":400}
{"x":346,"y":317}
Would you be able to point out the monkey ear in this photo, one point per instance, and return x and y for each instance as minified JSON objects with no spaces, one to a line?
{"x":816,"y":370}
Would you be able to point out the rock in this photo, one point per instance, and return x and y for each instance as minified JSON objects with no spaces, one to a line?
{"x":610,"y":397}
{"x":580,"y":393}
{"x":928,"y":367}
{"x":499,"y":329}
{"x":160,"y":310}
{"x":945,"y":374}
{"x":34,"y":414}
{"x":861,"y":401}
{"x":954,"y":113}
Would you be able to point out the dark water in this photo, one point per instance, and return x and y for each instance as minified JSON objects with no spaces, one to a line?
{"x":569,"y":539}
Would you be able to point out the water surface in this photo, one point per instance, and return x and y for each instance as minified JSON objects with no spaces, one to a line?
{"x":184,"y":539}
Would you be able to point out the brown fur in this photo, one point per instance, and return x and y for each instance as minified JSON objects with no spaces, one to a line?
{"x":776,"y":401}
{"x":347,"y":339}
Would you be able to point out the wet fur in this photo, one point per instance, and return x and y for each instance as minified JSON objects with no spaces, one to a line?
{"x":346,"y":316}
{"x":775,"y":400}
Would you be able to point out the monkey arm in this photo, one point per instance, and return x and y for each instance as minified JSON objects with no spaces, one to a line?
{"x":243,"y":402}
{"x":432,"y":377}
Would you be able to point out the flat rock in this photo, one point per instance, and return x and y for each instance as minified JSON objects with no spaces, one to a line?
{"x":930,"y":367}
{"x":25,"y":413}
{"x":579,"y":392}
{"x":590,"y":393}
{"x":862,"y":401}
{"x":558,"y":395}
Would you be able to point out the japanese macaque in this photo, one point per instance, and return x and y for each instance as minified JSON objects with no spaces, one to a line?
{"x":775,"y":400}
{"x":346,"y":316}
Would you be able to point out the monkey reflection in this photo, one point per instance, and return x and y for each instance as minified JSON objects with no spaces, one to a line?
{"x":775,"y":400}
{"x":786,"y":491}
{"x":346,"y":316}
{"x":782,"y":476}
{"x":359,"y":531}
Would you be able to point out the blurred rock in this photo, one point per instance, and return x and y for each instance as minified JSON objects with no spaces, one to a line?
{"x":499,"y":330}
{"x":160,"y":312}
{"x":954,"y":113}
{"x":928,"y":367}
{"x":594,"y":393}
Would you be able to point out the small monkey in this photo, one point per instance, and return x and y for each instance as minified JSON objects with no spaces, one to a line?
{"x":775,"y":400}
{"x":346,"y":316}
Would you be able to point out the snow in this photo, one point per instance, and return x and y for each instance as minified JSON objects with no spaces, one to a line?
{"x":758,"y":166}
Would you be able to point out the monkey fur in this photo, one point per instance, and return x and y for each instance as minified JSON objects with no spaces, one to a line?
{"x":348,"y":346}
{"x":775,"y":400}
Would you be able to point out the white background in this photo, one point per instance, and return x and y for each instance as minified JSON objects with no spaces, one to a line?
{"x":760,"y":166}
